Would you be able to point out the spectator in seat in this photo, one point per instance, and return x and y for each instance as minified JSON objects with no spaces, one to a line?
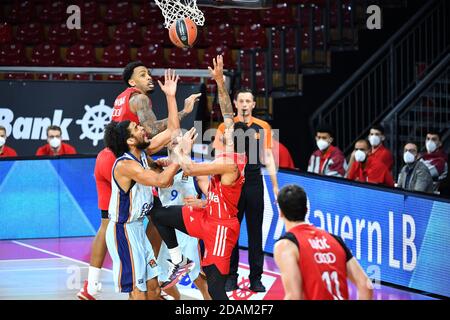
{"x":435,"y":158}
{"x":368,"y":169}
{"x":378,"y":150}
{"x":5,"y":151}
{"x":327,"y":160}
{"x":415,"y":175}
{"x":55,"y":146}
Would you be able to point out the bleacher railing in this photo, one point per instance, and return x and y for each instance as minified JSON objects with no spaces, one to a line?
{"x":393,"y":71}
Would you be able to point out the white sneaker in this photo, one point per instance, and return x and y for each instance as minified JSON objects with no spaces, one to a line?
{"x":84,"y":293}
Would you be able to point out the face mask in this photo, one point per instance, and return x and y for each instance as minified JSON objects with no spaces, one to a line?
{"x":55,"y":143}
{"x":431,"y":146}
{"x":2,"y":141}
{"x":408,"y":157}
{"x":322,"y":144}
{"x":360,"y":156}
{"x":374,"y":140}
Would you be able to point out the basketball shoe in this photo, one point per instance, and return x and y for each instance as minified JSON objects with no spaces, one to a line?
{"x":177,"y":272}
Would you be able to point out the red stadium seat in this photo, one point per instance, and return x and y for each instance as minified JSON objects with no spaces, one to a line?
{"x":81,"y":77}
{"x":6,"y":33}
{"x":260,"y":81}
{"x":13,"y":54}
{"x":30,"y":33}
{"x":156,"y":34}
{"x":252,"y":36}
{"x":81,"y":55}
{"x":21,"y":12}
{"x":19,"y":76}
{"x":118,"y":12}
{"x":152,"y":55}
{"x":290,"y":58}
{"x":115,"y":55}
{"x":45,"y":54}
{"x":222,"y":34}
{"x":95,"y":34}
{"x":128,"y":33}
{"x":149,"y":14}
{"x":245,"y":60}
{"x":59,"y":34}
{"x":60,"y":76}
{"x":114,"y":77}
{"x":280,"y":14}
{"x":214,"y":16}
{"x":243,"y":17}
{"x":183,"y":58}
{"x":212,"y":52}
{"x":89,"y":11}
{"x":53,"y":12}
{"x":290,"y":37}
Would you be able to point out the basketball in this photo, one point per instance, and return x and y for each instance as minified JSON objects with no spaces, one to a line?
{"x":183,"y":33}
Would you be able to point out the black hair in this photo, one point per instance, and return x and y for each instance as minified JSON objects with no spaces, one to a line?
{"x":378,"y":127}
{"x":436,"y":131}
{"x":325,"y":128}
{"x":292,"y":201}
{"x":128,"y":70}
{"x":116,"y":135}
{"x":243,"y":90}
{"x":2,"y":128}
{"x":53,"y":128}
{"x":365,"y":141}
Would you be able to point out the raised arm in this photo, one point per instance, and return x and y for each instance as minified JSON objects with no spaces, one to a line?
{"x":224,"y":98}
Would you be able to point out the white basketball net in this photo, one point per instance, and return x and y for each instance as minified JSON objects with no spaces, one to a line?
{"x":173,"y":10}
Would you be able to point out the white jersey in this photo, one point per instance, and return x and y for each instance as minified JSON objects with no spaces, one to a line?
{"x":125,"y":207}
{"x":183,"y":186}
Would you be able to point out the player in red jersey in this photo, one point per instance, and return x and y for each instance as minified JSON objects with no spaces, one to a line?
{"x":213,"y":220}
{"x":105,"y":160}
{"x":314,"y":264}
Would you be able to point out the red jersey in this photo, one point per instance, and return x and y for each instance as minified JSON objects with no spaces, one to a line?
{"x":281,"y":155}
{"x":7,"y":152}
{"x":322,"y":263}
{"x":46,"y":150}
{"x":382,"y":154}
{"x":102,"y":172}
{"x":374,"y":172}
{"x":222,"y":202}
{"x":121,"y":110}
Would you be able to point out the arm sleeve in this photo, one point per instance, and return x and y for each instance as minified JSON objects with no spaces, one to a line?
{"x":337,"y":167}
{"x":348,"y":253}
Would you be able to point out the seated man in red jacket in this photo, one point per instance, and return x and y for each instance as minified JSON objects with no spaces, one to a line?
{"x":368,"y":169}
{"x":5,"y":151}
{"x":55,"y":146}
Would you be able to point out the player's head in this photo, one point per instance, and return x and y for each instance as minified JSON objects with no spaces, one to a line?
{"x":362,"y":148}
{"x":2,"y":136}
{"x":433,"y":140}
{"x":123,"y":136}
{"x":324,"y":136}
{"x":244,"y":100}
{"x":293,"y":203}
{"x":376,"y":135}
{"x":136,"y":74}
{"x":54,"y":138}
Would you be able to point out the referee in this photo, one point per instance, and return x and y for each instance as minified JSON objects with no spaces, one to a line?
{"x":258,"y":148}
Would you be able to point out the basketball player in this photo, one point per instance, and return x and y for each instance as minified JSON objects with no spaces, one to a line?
{"x":134,"y":266}
{"x":215,"y":220}
{"x":126,"y":110}
{"x":184,"y":188}
{"x":314,"y":264}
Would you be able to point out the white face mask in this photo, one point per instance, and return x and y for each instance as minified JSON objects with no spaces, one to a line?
{"x":55,"y":142}
{"x":431,"y":146}
{"x":374,"y":140}
{"x":408,"y":157}
{"x":360,"y":156}
{"x":2,"y":141}
{"x":322,"y":144}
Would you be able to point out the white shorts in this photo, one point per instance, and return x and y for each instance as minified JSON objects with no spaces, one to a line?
{"x":132,"y":255}
{"x":189,"y":248}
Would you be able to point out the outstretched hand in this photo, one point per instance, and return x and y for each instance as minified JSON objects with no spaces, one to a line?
{"x":170,"y":82}
{"x":183,"y":144}
{"x":217,"y":72}
{"x":190,"y":101}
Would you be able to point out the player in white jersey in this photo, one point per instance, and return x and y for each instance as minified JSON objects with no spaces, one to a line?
{"x":184,"y":187}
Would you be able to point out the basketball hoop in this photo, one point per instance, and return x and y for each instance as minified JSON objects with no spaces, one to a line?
{"x":173,"y":10}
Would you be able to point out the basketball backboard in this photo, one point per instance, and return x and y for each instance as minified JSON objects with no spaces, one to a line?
{"x":243,"y":4}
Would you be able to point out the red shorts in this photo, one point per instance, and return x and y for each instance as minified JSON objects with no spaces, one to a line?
{"x":219,"y":236}
{"x":103,"y":168}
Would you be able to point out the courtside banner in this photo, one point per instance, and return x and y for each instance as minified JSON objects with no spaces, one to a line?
{"x":80,"y":108}
{"x":399,"y":237}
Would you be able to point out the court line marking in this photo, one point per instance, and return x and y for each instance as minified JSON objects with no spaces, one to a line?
{"x":37,"y":269}
{"x":31,"y":259}
{"x":55,"y":254}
